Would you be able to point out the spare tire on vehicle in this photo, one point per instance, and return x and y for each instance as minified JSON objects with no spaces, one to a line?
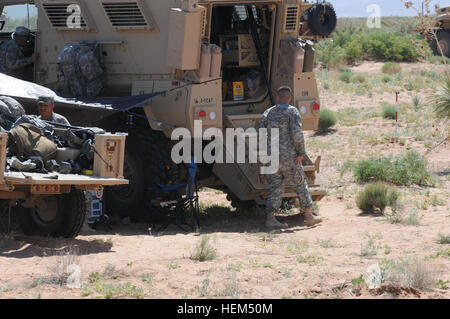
{"x":322,"y":19}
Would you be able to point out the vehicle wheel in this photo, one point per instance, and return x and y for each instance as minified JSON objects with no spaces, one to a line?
{"x":245,"y":206}
{"x":54,"y":215}
{"x":147,"y":164}
{"x":444,"y":41}
{"x":322,"y":19}
{"x":125,"y":199}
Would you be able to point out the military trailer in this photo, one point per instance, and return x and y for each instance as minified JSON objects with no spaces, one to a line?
{"x":55,"y":204}
{"x":218,"y":61}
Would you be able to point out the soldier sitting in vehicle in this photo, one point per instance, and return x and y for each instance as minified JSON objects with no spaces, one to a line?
{"x":12,"y":59}
{"x":46,"y":106}
{"x":291,"y":151}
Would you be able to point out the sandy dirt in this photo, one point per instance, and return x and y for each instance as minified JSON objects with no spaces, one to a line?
{"x":299,"y":262}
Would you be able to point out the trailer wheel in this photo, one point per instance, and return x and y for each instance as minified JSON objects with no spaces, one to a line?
{"x":55,"y":215}
{"x":322,"y":19}
{"x":444,"y":41}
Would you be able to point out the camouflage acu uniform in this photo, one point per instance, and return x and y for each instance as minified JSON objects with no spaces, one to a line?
{"x":57,"y":118}
{"x":292,"y":144}
{"x":12,"y":60}
{"x":83,"y":73}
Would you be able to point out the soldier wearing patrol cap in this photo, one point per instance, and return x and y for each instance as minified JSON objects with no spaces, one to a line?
{"x":46,"y":105}
{"x":12,"y":59}
{"x":287,"y":119}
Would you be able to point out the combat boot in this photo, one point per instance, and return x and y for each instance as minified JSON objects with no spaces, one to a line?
{"x":310,"y":219}
{"x":272,"y":222}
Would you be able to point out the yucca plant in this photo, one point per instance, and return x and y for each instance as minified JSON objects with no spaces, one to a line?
{"x":441,"y":99}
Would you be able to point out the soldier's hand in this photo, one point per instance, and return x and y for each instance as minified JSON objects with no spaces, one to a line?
{"x":34,"y":57}
{"x":298,"y":160}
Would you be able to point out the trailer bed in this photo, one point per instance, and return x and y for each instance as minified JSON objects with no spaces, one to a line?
{"x":62,"y":179}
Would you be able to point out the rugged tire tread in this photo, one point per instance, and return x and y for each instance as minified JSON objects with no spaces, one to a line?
{"x":75,"y":209}
{"x":68,"y":223}
{"x":322,"y":27}
{"x":152,"y":150}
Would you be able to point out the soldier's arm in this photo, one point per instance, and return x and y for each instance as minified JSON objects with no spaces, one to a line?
{"x":13,"y":63}
{"x":297,"y":133}
{"x":263,"y":121}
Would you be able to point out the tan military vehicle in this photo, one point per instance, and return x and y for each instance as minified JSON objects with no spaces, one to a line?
{"x":442,"y":29}
{"x":212,"y":60}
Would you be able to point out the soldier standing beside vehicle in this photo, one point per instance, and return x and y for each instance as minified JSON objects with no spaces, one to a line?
{"x":12,"y":60}
{"x":46,"y":105}
{"x":287,"y":119}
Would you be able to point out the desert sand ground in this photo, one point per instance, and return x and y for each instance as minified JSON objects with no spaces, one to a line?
{"x":326,"y":261}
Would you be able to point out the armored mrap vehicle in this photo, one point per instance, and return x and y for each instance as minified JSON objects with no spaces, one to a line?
{"x":439,"y":37}
{"x":218,"y":61}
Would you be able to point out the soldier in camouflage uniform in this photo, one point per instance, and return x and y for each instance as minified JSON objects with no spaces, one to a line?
{"x":12,"y":60}
{"x":292,"y":150}
{"x":46,"y":106}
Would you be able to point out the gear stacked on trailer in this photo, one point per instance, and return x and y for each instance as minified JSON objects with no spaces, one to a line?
{"x":45,"y":170}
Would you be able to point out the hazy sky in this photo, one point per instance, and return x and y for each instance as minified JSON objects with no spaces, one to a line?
{"x":344,"y":8}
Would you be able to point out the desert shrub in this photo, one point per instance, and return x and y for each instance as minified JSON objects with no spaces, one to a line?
{"x":204,"y":250}
{"x":376,"y":196}
{"x":390,"y":46}
{"x":411,"y":272}
{"x":327,"y":119}
{"x":389,"y":111}
{"x":444,"y":239}
{"x":416,"y":102}
{"x":386,"y":79}
{"x":345,"y":76}
{"x":436,"y":59}
{"x":353,"y":43}
{"x":329,"y":54}
{"x":360,"y":78}
{"x":354,"y":50}
{"x":391,"y":68}
{"x":405,"y":169}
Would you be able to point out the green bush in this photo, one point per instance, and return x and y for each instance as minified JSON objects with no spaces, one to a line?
{"x":327,"y":119}
{"x":386,"y":45}
{"x":345,"y":76}
{"x":376,"y":196}
{"x":391,"y":68}
{"x":386,"y":79}
{"x":329,"y":54}
{"x":358,"y":79}
{"x":389,"y":111}
{"x":409,"y":168}
{"x":204,"y":250}
{"x":436,"y":59}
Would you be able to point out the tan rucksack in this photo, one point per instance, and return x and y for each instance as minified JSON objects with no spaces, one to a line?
{"x":28,"y":140}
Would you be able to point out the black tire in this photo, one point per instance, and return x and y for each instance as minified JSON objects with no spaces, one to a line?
{"x":322,"y":19}
{"x":124,"y":200}
{"x":248,"y":207}
{"x":63,"y":216}
{"x":150,"y":163}
{"x":444,"y":41}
